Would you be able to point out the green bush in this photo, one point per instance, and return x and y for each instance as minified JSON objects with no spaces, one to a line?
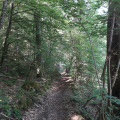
{"x":24,"y":103}
{"x":31,"y":86}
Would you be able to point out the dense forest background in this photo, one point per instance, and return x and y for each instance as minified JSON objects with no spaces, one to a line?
{"x":41,"y":40}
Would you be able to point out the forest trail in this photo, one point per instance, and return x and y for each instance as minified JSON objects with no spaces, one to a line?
{"x":55,"y":105}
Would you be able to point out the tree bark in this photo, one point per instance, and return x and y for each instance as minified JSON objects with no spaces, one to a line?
{"x":6,"y":44}
{"x":38,"y":28}
{"x":113,"y":48}
{"x":3,"y":13}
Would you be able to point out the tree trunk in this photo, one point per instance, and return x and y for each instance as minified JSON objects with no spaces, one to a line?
{"x":114,"y":52}
{"x":6,"y":44}
{"x":38,"y":44}
{"x":3,"y":13}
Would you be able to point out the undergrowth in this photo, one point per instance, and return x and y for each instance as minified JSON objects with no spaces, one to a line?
{"x":14,"y":102}
{"x":92,"y":105}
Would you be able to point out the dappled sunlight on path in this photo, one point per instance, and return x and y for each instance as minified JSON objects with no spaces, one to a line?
{"x":77,"y":117}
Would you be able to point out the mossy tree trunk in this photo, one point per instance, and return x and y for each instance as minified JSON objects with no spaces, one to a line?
{"x":38,"y":28}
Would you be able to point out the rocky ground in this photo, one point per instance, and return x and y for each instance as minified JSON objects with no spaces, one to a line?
{"x":55,"y":104}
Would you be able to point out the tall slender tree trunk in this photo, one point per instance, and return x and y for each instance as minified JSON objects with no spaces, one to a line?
{"x":38,"y":28}
{"x":3,"y":13}
{"x":6,"y":44}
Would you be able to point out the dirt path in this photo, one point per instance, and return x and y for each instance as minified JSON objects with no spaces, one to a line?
{"x":55,"y":105}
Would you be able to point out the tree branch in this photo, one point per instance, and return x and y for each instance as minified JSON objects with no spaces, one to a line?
{"x":115,"y":77}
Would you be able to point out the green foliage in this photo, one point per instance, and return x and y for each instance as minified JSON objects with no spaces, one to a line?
{"x":4,"y":104}
{"x":82,"y":93}
{"x":24,"y":103}
{"x":17,"y":113}
{"x":15,"y":68}
{"x":10,"y":82}
{"x":31,"y":86}
{"x":9,"y":109}
{"x":84,"y":101}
